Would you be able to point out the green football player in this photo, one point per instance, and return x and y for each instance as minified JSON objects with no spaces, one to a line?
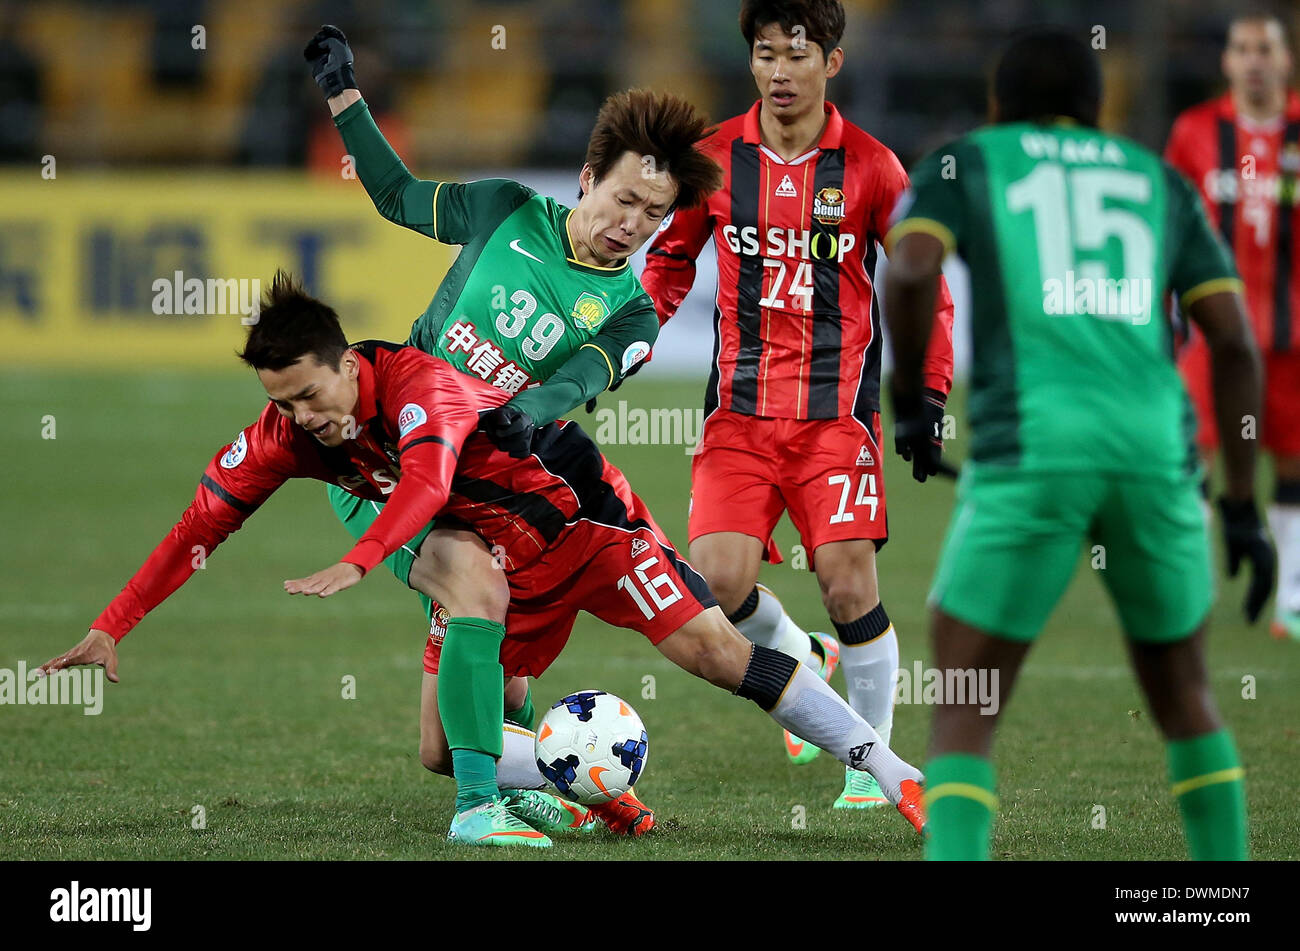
{"x":542,"y":304}
{"x":1080,"y":426}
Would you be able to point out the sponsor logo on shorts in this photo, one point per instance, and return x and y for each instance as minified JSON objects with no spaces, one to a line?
{"x":638,"y":546}
{"x":438,"y":627}
{"x":235,"y":455}
{"x":865,"y":458}
{"x":411,"y":416}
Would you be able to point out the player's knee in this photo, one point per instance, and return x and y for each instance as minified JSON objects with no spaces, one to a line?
{"x":721,"y":654}
{"x":729,"y":583}
{"x":436,"y":759}
{"x":848,"y":597}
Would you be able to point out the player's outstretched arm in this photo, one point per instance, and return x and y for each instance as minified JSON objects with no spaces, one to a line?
{"x":97,"y":647}
{"x":449,"y":212}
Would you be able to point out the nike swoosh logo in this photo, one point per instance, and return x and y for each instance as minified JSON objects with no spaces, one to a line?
{"x":514,"y":246}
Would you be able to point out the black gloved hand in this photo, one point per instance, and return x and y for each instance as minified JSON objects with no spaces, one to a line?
{"x":1244,"y":537}
{"x":331,"y":61}
{"x":510,"y":429}
{"x":918,"y":428}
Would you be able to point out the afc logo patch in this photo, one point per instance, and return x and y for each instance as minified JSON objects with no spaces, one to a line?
{"x":411,"y":416}
{"x":235,"y":455}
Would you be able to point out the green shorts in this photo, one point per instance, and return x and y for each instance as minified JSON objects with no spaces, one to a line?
{"x":357,"y":515}
{"x":1015,"y":538}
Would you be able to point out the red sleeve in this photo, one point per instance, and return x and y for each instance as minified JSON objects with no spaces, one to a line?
{"x":670,"y":262}
{"x":238,"y":479}
{"x":433,"y":416}
{"x":936,"y":370}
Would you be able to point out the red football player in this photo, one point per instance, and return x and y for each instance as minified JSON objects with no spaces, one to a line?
{"x":390,"y":422}
{"x":1242,"y":152}
{"x":793,"y":399}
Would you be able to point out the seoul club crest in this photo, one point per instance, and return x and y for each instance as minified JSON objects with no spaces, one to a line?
{"x":828,"y":205}
{"x":589,"y":311}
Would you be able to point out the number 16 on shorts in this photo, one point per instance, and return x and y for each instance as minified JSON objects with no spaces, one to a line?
{"x":866,"y":495}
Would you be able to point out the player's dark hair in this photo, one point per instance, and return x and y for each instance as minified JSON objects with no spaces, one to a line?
{"x":291,"y":324}
{"x":822,"y":20}
{"x":1262,"y":13}
{"x":1047,"y":72}
{"x":663,"y":130}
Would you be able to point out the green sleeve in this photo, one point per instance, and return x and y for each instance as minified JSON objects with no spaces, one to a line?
{"x":447,"y":211}
{"x":935,"y":201}
{"x":624,"y":341}
{"x":1199,"y":263}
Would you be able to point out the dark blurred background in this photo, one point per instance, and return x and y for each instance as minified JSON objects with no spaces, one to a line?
{"x":517,"y":82}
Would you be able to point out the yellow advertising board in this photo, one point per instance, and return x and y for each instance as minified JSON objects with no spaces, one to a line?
{"x":158,"y":268}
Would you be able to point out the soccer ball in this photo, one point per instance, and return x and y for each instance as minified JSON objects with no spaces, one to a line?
{"x":591,"y":746}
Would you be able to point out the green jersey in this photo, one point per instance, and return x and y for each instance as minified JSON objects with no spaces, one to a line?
{"x":517,"y":308}
{"x":1073,"y":238}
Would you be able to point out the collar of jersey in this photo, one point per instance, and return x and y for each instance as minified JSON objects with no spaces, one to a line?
{"x":367,"y":406}
{"x":572,"y":258}
{"x":831,"y":135}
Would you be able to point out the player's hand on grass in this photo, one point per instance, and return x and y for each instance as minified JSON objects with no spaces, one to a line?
{"x":918,"y":429}
{"x":97,"y":647}
{"x":510,"y":429}
{"x":331,"y":61}
{"x":332,"y":580}
{"x":1245,"y":539}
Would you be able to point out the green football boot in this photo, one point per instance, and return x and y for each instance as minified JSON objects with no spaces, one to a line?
{"x":546,"y":813}
{"x":799,"y":751}
{"x":861,"y":791}
{"x":493,"y":824}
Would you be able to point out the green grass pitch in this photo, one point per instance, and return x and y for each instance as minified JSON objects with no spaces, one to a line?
{"x":232,"y":692}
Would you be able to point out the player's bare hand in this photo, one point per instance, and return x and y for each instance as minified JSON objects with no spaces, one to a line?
{"x":333,"y":579}
{"x":97,"y":647}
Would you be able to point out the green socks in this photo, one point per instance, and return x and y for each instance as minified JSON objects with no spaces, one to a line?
{"x":959,"y":807}
{"x":525,"y":715}
{"x":470,"y":680}
{"x":1211,"y":793}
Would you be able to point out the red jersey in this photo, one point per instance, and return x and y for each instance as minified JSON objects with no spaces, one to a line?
{"x":796,"y":319}
{"x":414,"y":413}
{"x":1246,"y":171}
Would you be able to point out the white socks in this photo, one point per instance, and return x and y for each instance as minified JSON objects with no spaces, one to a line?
{"x":517,"y":768}
{"x":1284,"y":520}
{"x":809,"y":708}
{"x":869,"y":672}
{"x":769,"y":626}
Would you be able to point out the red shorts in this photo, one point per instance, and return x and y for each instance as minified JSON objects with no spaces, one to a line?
{"x":623,"y":570}
{"x":829,"y":473}
{"x":1278,"y":431}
